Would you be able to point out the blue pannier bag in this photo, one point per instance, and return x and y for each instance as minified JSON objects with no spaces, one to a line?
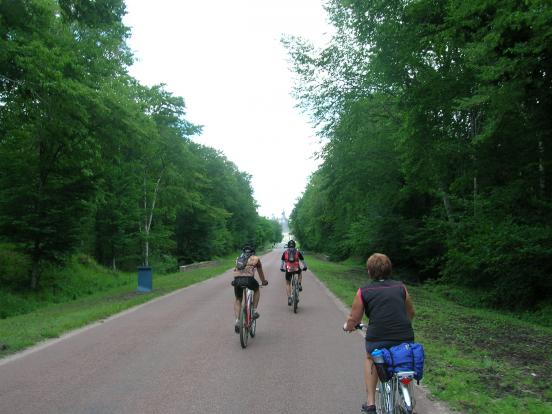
{"x":408,"y":356}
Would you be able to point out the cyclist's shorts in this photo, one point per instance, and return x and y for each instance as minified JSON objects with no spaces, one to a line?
{"x":244,"y":281}
{"x":370,"y":346}
{"x":289,"y":274}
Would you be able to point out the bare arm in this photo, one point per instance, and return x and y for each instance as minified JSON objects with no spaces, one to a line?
{"x":357,"y":311}
{"x":409,"y":306}
{"x":302,"y":260}
{"x":259,"y":267}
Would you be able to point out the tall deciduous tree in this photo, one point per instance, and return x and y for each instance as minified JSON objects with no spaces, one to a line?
{"x":435,"y":114}
{"x":49,"y":89}
{"x":94,"y":162}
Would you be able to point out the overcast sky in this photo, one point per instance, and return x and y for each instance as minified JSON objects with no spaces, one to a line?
{"x":226,"y":60}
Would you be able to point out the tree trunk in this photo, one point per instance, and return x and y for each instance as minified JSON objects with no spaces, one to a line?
{"x":148,"y":214}
{"x":446,"y":203}
{"x":448,"y":207}
{"x":35,"y":273}
{"x":542,"y":181}
{"x":146,"y":253}
{"x":474,"y":196}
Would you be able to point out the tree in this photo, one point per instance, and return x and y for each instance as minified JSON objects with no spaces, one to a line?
{"x":49,"y":88}
{"x":435,"y":116}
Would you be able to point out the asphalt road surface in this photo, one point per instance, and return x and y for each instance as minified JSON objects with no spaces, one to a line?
{"x":179,"y":354}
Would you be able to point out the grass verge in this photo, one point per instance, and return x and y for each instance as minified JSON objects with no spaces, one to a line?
{"x":477,"y":360}
{"x":50,"y":320}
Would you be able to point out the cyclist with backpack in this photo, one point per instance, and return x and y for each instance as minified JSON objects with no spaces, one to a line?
{"x":292,"y":262}
{"x":389,"y":309}
{"x":244,"y":276}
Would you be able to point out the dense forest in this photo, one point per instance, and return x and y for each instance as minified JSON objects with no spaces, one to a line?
{"x":94,"y":163}
{"x":437,"y":123}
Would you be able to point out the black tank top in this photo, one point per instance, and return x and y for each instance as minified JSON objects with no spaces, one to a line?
{"x":384,"y":305}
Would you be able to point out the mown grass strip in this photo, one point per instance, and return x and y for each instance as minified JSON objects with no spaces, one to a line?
{"x":477,"y":360}
{"x":52,"y":320}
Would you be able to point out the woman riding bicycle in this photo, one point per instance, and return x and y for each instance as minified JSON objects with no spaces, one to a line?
{"x":389,"y":309}
{"x":245,"y":277}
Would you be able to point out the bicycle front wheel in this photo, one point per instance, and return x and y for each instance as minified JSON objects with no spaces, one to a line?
{"x":379,"y":399}
{"x":385,"y":401}
{"x":253,"y":328}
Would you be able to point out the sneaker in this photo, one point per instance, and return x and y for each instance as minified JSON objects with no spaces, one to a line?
{"x":237,"y":327}
{"x":368,"y":409}
{"x":289,"y":301}
{"x":256,"y":315}
{"x":300,"y":287}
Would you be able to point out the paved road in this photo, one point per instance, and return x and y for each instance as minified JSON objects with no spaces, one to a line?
{"x":179,"y":354}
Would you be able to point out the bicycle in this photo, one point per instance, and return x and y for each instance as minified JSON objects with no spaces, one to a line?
{"x":395,"y":396}
{"x":248,"y":324}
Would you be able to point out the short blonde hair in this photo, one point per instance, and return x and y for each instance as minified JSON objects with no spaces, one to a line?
{"x":379,"y":266}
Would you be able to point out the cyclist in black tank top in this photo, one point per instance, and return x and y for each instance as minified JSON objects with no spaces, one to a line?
{"x":384,"y":305}
{"x":389,"y":309}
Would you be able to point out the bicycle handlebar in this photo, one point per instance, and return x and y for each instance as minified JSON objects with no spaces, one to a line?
{"x":359,"y":326}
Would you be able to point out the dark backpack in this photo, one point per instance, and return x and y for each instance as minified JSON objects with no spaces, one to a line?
{"x":291,"y":258}
{"x":291,"y":255}
{"x":242,"y":260}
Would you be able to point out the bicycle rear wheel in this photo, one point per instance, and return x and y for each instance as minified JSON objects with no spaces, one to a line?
{"x":295,"y":294}
{"x":244,"y":327}
{"x":253,"y":328}
{"x":405,"y":399}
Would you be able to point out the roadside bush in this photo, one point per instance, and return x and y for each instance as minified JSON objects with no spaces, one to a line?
{"x":14,"y":267}
{"x":508,"y":261}
{"x":13,"y":304}
{"x":80,"y":276}
{"x":164,"y":264}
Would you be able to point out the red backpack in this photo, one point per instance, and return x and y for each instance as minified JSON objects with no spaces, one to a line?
{"x":291,"y":258}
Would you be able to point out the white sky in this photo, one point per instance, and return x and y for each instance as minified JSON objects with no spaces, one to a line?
{"x":226,"y":60}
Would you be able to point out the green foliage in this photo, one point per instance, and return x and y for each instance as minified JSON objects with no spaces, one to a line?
{"x":268,"y":232}
{"x":508,"y":261}
{"x":94,"y":162}
{"x":51,"y":74}
{"x":436,"y":118}
{"x":80,"y":276}
{"x":222,"y":216}
{"x":14,"y":267}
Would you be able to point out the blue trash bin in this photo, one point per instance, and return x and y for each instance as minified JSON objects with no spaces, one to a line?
{"x":144,"y":279}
